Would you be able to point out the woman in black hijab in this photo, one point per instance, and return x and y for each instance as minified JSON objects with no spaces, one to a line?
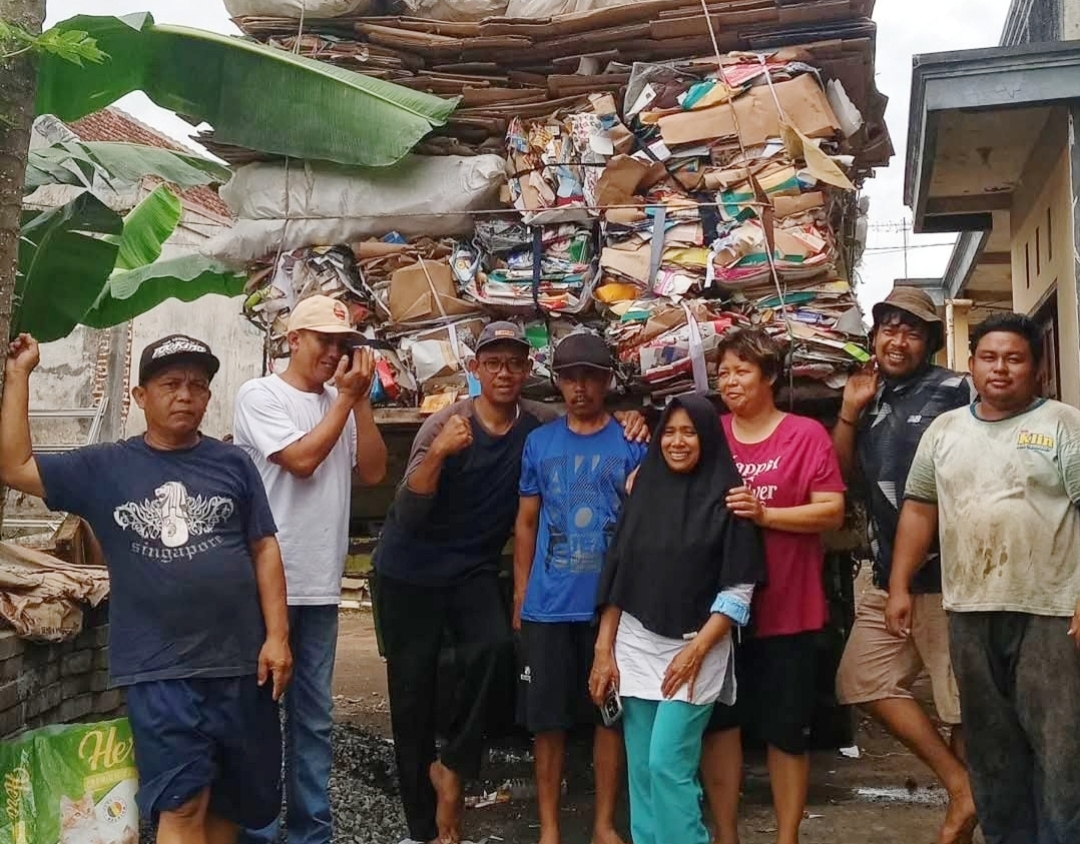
{"x":679,"y":576}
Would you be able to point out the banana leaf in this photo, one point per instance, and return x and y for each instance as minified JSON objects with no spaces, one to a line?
{"x":64,"y":263}
{"x":130,"y":293}
{"x":77,"y":163}
{"x":254,"y":96}
{"x":146,"y":228}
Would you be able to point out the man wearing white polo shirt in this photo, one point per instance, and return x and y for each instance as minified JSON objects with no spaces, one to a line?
{"x":305,"y":436}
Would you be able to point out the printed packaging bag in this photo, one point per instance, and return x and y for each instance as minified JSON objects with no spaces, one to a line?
{"x":70,"y":784}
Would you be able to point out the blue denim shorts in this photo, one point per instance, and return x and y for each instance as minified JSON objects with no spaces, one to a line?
{"x":221,"y":733}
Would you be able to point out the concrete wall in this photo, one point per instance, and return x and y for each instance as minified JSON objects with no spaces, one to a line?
{"x":1042,"y":246}
{"x":52,"y":684}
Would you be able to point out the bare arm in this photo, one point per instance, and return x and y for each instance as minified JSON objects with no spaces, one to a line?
{"x":370,"y":447}
{"x":914,"y":536}
{"x":528,"y":519}
{"x":18,"y":469}
{"x":859,"y":391}
{"x":307,"y":454}
{"x":605,"y":673}
{"x":824,"y":512}
{"x":353,"y":382}
{"x":275,"y":659}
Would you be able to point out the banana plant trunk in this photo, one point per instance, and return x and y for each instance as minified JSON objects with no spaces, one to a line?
{"x":18,"y":81}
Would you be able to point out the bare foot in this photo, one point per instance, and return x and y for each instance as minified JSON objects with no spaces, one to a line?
{"x":960,"y":820}
{"x":607,"y":835}
{"x":447,"y":786}
{"x":549,"y":836}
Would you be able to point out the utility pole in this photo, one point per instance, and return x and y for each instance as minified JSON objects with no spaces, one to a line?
{"x":18,"y":85}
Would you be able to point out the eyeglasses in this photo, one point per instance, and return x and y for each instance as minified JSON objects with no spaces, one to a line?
{"x":515,"y":366}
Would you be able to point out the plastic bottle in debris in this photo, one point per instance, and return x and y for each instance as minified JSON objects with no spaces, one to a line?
{"x":522,"y":788}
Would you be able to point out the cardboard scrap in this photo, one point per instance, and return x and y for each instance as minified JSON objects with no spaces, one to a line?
{"x":425,"y":291}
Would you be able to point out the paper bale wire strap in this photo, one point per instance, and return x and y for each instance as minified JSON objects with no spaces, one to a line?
{"x":285,"y":224}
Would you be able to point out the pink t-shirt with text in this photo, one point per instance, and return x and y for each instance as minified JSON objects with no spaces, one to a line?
{"x":783,"y":470}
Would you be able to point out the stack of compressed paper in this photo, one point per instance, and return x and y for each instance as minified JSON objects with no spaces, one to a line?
{"x":694,"y":197}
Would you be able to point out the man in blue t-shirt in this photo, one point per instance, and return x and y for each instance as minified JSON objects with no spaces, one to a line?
{"x":198,"y":626}
{"x":573,"y":480}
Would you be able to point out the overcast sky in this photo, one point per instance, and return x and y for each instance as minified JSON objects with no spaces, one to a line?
{"x":905,"y":28}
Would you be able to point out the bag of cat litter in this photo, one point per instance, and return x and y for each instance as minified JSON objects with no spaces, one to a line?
{"x":70,"y":784}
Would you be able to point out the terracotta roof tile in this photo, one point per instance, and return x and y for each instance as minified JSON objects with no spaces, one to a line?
{"x":112,"y":124}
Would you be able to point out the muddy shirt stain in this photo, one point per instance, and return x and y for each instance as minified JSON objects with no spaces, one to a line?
{"x":1008,"y":519}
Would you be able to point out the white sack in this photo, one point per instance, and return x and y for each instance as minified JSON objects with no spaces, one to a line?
{"x":329,"y":204}
{"x":459,"y":11}
{"x":553,"y":8}
{"x":292,"y":8}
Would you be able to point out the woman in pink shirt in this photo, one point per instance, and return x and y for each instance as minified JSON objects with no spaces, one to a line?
{"x":794,"y":491}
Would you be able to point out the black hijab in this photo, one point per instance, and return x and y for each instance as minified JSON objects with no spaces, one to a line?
{"x":677,"y":545}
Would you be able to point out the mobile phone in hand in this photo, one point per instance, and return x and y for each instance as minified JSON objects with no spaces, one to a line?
{"x":611,"y":711}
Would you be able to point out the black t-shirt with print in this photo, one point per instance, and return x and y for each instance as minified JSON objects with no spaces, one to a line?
{"x":888,"y":435}
{"x":176,"y":528}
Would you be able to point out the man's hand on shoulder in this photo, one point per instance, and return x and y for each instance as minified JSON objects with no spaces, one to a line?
{"x":23,"y":356}
{"x":635,"y":428}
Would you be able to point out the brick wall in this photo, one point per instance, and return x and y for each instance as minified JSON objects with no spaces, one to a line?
{"x":54,"y":684}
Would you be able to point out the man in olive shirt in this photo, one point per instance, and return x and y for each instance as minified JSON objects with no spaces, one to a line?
{"x":1000,"y":481}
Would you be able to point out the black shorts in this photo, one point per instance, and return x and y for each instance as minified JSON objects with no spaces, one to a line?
{"x":222,"y":734}
{"x":553,"y":681}
{"x":777,"y":677}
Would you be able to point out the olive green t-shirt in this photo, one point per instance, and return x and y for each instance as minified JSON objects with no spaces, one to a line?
{"x":1007,"y":495}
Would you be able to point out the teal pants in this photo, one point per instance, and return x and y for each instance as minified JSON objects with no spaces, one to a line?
{"x":663,"y":752}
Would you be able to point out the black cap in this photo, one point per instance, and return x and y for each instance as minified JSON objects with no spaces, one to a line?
{"x":581,"y":349}
{"x":176,"y":348}
{"x":502,"y":332}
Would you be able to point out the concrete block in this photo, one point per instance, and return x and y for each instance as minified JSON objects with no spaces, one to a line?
{"x":11,"y":667}
{"x":75,"y":708}
{"x":67,"y":647}
{"x":47,"y":699}
{"x":99,"y":681}
{"x":35,"y":654}
{"x":74,"y":686}
{"x":9,"y":695}
{"x":49,"y":674}
{"x":86,"y":640}
{"x":108,"y":701}
{"x":10,"y":644}
{"x":12,"y":720}
{"x":101,"y":659}
{"x":80,"y":662}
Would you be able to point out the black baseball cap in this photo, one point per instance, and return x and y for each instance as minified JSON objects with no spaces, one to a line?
{"x":502,"y":332}
{"x":176,"y":348}
{"x":581,"y":349}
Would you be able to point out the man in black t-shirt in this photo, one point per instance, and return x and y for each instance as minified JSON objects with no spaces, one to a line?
{"x":437,"y":569}
{"x":198,"y":626}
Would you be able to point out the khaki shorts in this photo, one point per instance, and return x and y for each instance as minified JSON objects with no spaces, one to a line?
{"x":877,"y":665}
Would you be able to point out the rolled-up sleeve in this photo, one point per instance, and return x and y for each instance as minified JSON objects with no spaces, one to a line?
{"x":734,"y":602}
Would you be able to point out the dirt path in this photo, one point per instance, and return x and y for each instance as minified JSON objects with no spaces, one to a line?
{"x":884,"y":797}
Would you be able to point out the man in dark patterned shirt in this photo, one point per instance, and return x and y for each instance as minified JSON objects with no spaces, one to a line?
{"x":886,"y":408}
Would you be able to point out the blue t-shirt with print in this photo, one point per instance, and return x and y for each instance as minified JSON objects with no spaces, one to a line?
{"x":581,"y":482}
{"x":176,"y":528}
